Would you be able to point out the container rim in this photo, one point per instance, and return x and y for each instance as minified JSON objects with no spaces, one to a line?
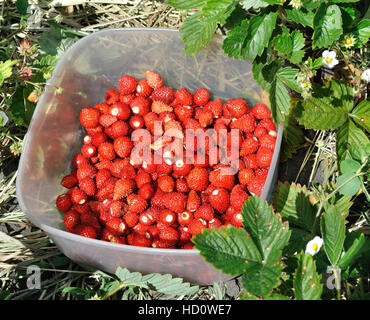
{"x":64,"y":234}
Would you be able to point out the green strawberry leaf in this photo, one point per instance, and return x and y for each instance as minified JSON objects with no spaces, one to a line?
{"x":353,"y":252}
{"x":228,"y":249}
{"x":256,"y":255}
{"x":301,"y":16}
{"x":327,"y":26}
{"x":349,"y":166}
{"x":333,"y":232}
{"x":258,"y":34}
{"x":293,"y":203}
{"x":351,"y":142}
{"x":198,"y":29}
{"x":306,"y":282}
{"x":351,"y":187}
{"x":293,"y":137}
{"x":283,"y":43}
{"x":233,"y":43}
{"x":361,"y":114}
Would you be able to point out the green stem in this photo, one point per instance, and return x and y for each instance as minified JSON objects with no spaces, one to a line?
{"x":337,"y":282}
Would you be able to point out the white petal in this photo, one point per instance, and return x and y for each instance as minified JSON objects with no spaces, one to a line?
{"x":325,"y":53}
{"x":332,"y":54}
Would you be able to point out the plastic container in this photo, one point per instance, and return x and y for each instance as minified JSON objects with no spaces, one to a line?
{"x":83,"y":75}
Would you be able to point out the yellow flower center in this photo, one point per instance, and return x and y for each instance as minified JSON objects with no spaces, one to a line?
{"x":328,"y":59}
{"x":304,"y":84}
{"x":315,"y":247}
{"x":348,"y":41}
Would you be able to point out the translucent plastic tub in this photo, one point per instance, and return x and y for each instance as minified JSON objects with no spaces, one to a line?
{"x":81,"y":78}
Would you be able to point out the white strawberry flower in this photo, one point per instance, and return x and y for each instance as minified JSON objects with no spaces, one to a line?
{"x":330,"y":59}
{"x":314,"y":246}
{"x":366,"y":75}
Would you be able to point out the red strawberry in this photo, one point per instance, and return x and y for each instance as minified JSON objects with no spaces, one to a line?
{"x":143,"y":88}
{"x":193,"y":202}
{"x":88,"y":150}
{"x":142,"y":178}
{"x":219,"y":199}
{"x":250,"y":161}
{"x":264,"y":157}
{"x":122,"y":146}
{"x":205,"y":212}
{"x":193,"y":124}
{"x":116,"y":208}
{"x":238,"y":197}
{"x":215,"y":107}
{"x":79,"y":160}
{"x":201,"y":96}
{"x":260,"y":111}
{"x":166,"y":183}
{"x":88,"y":186}
{"x":140,"y":106}
{"x":106,"y":151}
{"x":222,"y":177}
{"x":159,"y":107}
{"x":183,"y":112}
{"x":136,"y":203}
{"x":175,"y":201}
{"x":146,"y":218}
{"x":69,"y":181}
{"x":120,"y":110}
{"x":98,"y":139}
{"x":111,"y":96}
{"x":205,"y":118}
{"x":107,"y":120}
{"x":126,"y":99}
{"x":185,"y":235}
{"x":181,"y":184}
{"x":259,"y":131}
{"x":259,"y":172}
{"x":146,"y":191}
{"x":149,"y":119}
{"x":197,"y":179}
{"x":267,"y":141}
{"x":71,"y":219}
{"x":169,"y":235}
{"x":85,"y":231}
{"x":237,"y":107}
{"x":184,"y":218}
{"x":249,"y":145}
{"x":78,"y":196}
{"x":196,"y":226}
{"x":236,"y":219}
{"x":127,"y":85}
{"x":117,"y":129}
{"x":136,"y":122}
{"x":102,"y":107}
{"x":123,"y":188}
{"x":246,"y":175}
{"x":116,"y":226}
{"x":268,"y":124}
{"x":94,"y":130}
{"x":181,"y":168}
{"x":89,"y":219}
{"x":141,"y":240}
{"x":214,"y":223}
{"x":86,"y":170}
{"x":89,"y":117}
{"x":167,"y":217}
{"x":184,"y":97}
{"x":256,"y":185}
{"x":154,"y":79}
{"x":131,"y":219}
{"x":164,"y":94}
{"x":63,"y":202}
{"x":246,"y":123}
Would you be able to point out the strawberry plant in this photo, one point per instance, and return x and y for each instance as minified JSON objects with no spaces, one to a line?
{"x":292,"y":46}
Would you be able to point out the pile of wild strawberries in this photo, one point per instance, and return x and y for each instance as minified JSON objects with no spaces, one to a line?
{"x":114,"y":196}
